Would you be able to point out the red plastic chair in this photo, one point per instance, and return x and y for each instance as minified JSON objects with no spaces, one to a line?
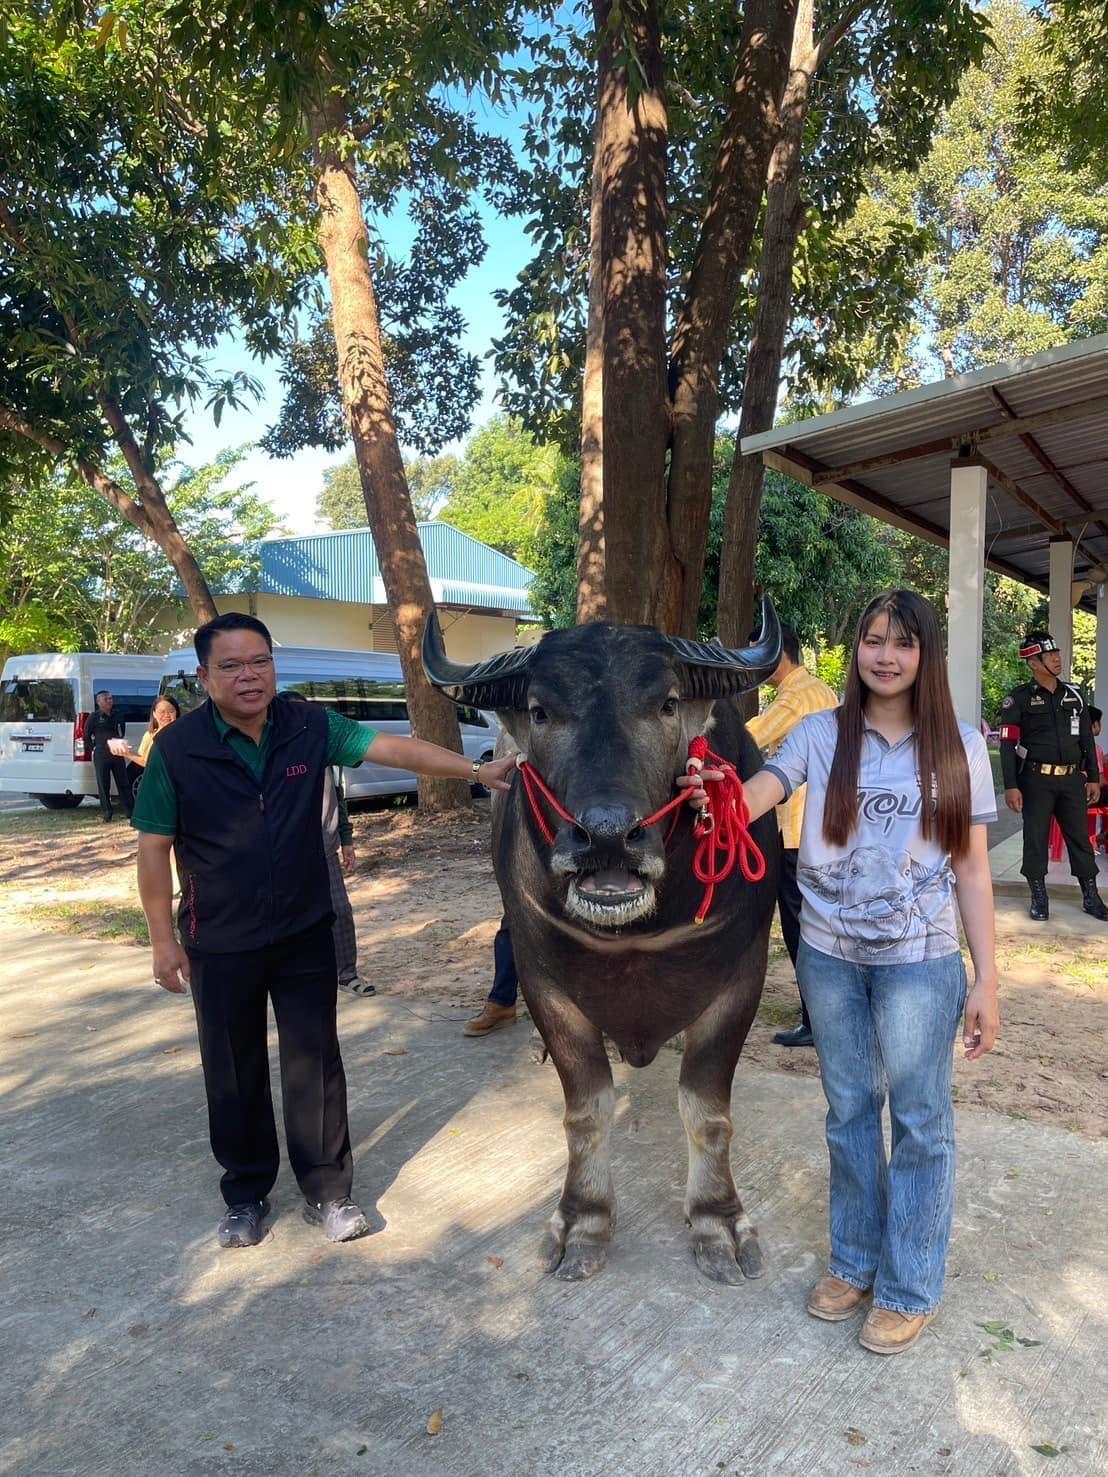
{"x":1056,"y":846}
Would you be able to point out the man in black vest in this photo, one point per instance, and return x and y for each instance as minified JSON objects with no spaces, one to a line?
{"x":1049,"y":720}
{"x":102,"y":728}
{"x":236,"y":788}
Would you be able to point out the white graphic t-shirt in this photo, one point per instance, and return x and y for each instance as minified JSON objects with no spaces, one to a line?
{"x":887,"y":897}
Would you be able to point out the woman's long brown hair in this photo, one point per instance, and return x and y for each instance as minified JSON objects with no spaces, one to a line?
{"x":940,"y":753}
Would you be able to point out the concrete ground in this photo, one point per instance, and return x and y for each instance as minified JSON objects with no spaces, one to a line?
{"x":131,"y":1344}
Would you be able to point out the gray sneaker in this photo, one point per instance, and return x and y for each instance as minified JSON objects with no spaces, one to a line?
{"x":242,"y":1225}
{"x":357,"y":986}
{"x":340,"y":1219}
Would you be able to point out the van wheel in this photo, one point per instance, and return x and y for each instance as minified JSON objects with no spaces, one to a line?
{"x":59,"y":802}
{"x":481,"y":792}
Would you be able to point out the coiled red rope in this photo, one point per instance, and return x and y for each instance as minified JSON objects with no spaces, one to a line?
{"x":723,"y":827}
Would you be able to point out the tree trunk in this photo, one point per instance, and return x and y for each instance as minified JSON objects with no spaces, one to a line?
{"x":783,"y":223}
{"x":592,"y":602}
{"x":151,"y":516}
{"x":631,"y":139}
{"x":734,"y":202}
{"x":368,"y":405}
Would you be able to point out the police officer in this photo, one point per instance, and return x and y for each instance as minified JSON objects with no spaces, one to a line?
{"x":1050,"y":721}
{"x":102,"y":727}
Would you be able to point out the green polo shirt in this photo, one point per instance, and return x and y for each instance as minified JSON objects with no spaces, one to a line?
{"x":156,"y":806}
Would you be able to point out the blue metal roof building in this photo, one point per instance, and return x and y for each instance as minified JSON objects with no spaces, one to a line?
{"x":344,"y":567}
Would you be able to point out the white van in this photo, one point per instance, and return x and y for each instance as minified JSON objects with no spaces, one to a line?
{"x":45,"y":704}
{"x":367,"y":686}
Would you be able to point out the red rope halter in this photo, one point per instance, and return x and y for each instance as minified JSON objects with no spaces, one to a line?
{"x":723,"y":827}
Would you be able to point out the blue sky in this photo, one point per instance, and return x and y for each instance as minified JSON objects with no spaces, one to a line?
{"x":292,"y":486}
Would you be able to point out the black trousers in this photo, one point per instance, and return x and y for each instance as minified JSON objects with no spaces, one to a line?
{"x":230,"y":992}
{"x":109,"y":766}
{"x":1063,"y":796}
{"x":788,"y":907}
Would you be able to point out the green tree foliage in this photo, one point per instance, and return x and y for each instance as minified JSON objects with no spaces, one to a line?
{"x":853,"y":286}
{"x":1019,"y":255}
{"x":74,"y":577}
{"x":820,"y":561}
{"x":127,"y":249}
{"x":1065,"y":91}
{"x":501,"y":487}
{"x":342,"y":503}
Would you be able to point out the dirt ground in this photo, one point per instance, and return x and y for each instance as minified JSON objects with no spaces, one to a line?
{"x":426,"y":908}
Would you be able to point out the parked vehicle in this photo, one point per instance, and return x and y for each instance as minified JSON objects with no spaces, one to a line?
{"x":45,"y":704}
{"x":366,"y":686}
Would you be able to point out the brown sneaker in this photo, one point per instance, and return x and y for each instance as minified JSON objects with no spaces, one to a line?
{"x":492,"y":1017}
{"x":888,"y":1332}
{"x":832,"y":1299}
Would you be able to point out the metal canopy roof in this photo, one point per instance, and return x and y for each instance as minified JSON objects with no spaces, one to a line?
{"x":1039,"y":425}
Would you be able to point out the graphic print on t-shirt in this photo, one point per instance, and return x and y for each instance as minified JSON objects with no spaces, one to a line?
{"x":886,"y":904}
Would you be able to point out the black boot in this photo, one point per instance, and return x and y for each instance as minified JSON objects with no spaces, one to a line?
{"x":1040,"y":907}
{"x":1091,"y":900}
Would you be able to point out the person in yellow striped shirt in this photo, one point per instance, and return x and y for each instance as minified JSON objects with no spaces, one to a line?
{"x":798,"y":694}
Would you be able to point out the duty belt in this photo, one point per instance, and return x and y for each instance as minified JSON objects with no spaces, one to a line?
{"x":1055,"y":769}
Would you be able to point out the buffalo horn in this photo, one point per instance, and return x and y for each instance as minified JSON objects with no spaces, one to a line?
{"x":500,"y":682}
{"x":711,"y":670}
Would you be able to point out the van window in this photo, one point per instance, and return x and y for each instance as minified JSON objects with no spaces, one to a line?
{"x":185,"y":687}
{"x":473,"y":716}
{"x":37,"y":700}
{"x":129,"y":703}
{"x":359,"y":698}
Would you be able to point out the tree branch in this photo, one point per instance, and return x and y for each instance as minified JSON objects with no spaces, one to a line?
{"x":99,"y":480}
{"x":834,"y":34}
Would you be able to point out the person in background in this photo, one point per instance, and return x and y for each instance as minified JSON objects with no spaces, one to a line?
{"x":235,"y":789}
{"x":166,"y":710}
{"x":103,"y":732}
{"x":338,"y":842}
{"x":1096,"y":718}
{"x":798,"y":694}
{"x":1059,"y":777}
{"x":500,"y":1008}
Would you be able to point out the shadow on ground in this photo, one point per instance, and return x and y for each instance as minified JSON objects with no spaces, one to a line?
{"x":131,"y":1344}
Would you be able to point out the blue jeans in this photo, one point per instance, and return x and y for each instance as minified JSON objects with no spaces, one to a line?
{"x":505,"y":983}
{"x":879,"y":1026}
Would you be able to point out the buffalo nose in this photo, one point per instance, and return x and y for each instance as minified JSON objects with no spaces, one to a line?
{"x":606,"y":825}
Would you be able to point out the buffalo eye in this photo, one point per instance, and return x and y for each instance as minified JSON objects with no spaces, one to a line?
{"x":538,"y":715}
{"x":669,"y":707}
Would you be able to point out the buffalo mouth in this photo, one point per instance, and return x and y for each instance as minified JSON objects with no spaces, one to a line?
{"x":610,"y":896}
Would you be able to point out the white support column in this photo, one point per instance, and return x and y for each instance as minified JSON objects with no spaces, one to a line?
{"x":1100,"y":684}
{"x":1061,"y":610}
{"x":966,"y":587}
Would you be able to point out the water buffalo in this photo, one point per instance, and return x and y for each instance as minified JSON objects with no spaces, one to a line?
{"x":602,"y":915}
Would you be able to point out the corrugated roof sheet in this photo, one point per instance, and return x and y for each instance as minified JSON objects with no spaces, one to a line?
{"x":918,"y":489}
{"x":344,"y":567}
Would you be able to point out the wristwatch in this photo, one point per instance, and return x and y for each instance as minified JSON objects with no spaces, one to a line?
{"x":476,"y":767}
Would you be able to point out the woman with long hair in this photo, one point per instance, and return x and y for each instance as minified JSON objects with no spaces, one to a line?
{"x":166,"y":710}
{"x":894,"y":833}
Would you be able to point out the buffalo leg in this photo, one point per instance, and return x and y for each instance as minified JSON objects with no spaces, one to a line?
{"x":725,"y":1243}
{"x":575,"y":1245}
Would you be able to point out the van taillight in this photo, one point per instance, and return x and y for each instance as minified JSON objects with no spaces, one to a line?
{"x":80,"y":742}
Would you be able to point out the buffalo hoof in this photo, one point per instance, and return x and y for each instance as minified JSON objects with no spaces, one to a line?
{"x":732,"y":1260}
{"x":582,"y":1260}
{"x":749,"y":1253}
{"x":716,"y":1260}
{"x":572,"y":1259}
{"x":537,"y":1048}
